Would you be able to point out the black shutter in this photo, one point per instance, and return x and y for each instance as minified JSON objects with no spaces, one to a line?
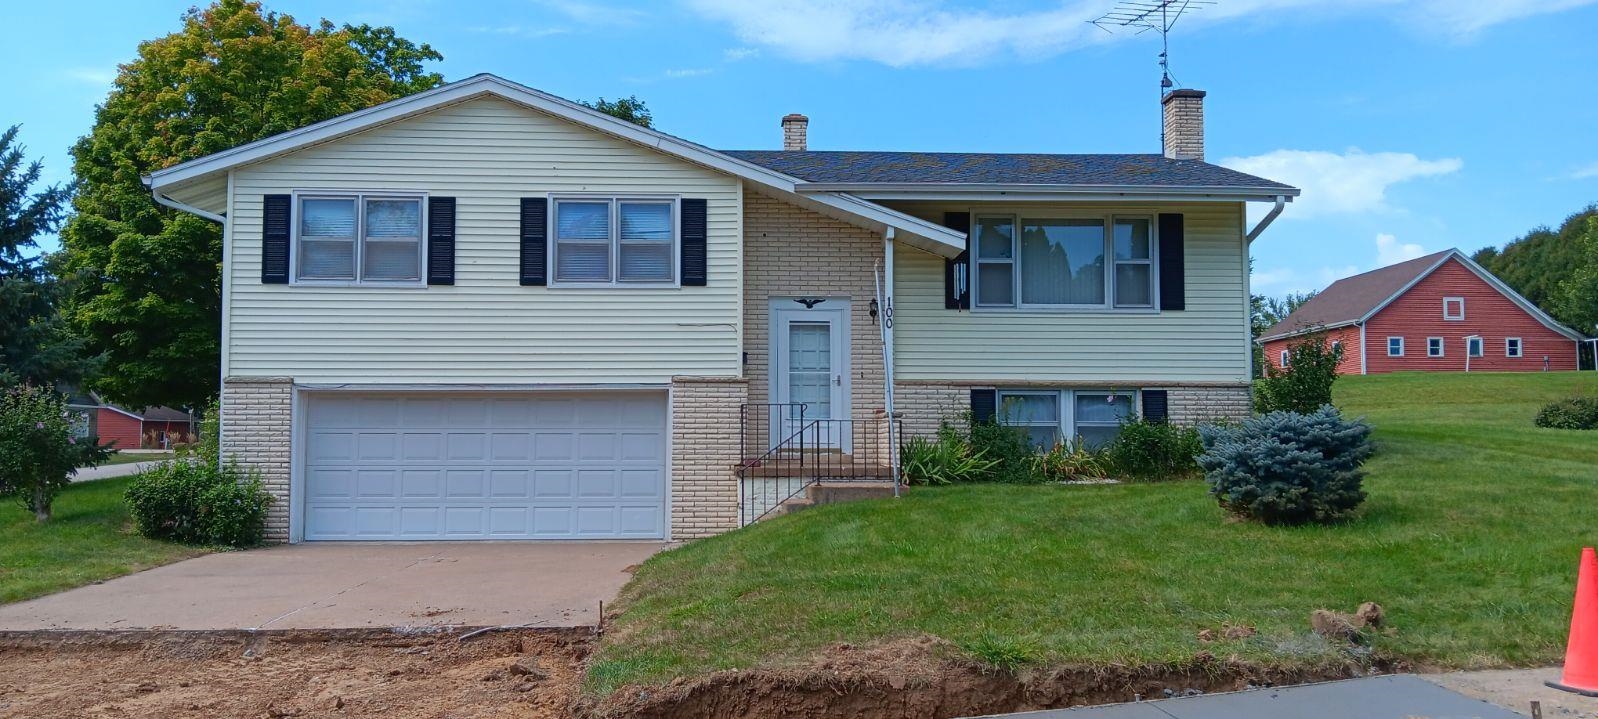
{"x":984,"y":405}
{"x":1156,"y":406}
{"x":441,"y":240}
{"x":1173,"y":266}
{"x":535,"y":241}
{"x":693,"y":228}
{"x":957,"y":271}
{"x":277,"y":217}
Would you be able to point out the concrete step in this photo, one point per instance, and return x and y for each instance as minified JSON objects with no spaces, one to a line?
{"x":794,"y":504}
{"x":829,"y":492}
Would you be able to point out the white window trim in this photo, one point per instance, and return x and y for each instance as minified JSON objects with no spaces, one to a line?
{"x":1016,"y":217}
{"x":615,"y":201}
{"x":1065,"y":407}
{"x":1390,"y":352}
{"x":360,"y":197}
{"x":1441,"y":344}
{"x":1283,"y":363}
{"x":1479,"y":342}
{"x":1451,"y":317}
{"x":1519,"y":345}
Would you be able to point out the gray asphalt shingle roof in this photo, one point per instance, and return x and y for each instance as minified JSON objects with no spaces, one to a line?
{"x":830,"y":166}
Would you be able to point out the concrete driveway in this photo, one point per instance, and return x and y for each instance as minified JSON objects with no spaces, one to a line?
{"x":347,"y":585}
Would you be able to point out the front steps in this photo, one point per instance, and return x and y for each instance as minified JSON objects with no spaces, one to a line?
{"x":832,"y":492}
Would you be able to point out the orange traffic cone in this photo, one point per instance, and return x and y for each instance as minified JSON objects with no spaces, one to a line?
{"x":1581,"y":655}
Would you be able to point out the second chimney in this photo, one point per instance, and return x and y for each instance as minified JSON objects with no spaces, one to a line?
{"x":794,"y":128}
{"x":1184,"y":124}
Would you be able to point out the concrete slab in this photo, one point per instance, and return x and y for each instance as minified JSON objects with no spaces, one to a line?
{"x":352,"y":585}
{"x":1399,"y":696}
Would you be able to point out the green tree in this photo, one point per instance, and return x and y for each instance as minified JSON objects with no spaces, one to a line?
{"x":1265,"y":312}
{"x":1541,"y":265}
{"x":1305,"y":384}
{"x":628,"y":108}
{"x":35,"y":346}
{"x":1577,"y":300}
{"x":149,"y":289}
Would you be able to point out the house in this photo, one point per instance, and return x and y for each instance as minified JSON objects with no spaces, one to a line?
{"x":122,"y":428}
{"x":1438,"y":313}
{"x":485,"y":312}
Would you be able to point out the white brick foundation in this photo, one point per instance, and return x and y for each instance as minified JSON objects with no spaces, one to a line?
{"x":256,"y":432}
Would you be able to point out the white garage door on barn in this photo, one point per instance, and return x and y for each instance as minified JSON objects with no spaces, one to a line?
{"x":433,"y":465}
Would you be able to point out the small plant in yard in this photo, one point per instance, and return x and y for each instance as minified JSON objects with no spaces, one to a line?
{"x":38,"y":450}
{"x":198,"y":498}
{"x":944,"y":460}
{"x":1305,"y":383}
{"x":1154,"y":451}
{"x":1071,"y":462}
{"x":1570,"y":413}
{"x":1008,"y":448}
{"x":1286,"y":467}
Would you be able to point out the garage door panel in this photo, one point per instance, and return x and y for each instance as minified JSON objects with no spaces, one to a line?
{"x":419,"y":466}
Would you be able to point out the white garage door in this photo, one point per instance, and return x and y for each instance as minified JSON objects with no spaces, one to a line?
{"x":424,"y":466}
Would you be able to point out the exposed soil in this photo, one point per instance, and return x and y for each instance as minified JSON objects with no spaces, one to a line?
{"x":138,"y":675}
{"x":923,"y":679}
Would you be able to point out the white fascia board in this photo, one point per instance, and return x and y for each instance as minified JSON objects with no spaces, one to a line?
{"x":483,"y":85}
{"x":1515,"y":297}
{"x":968,"y":191}
{"x":1306,"y":331}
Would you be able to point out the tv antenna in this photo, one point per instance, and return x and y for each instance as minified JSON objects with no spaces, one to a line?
{"x":1160,"y":16}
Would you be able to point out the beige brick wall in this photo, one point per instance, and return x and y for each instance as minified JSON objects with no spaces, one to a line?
{"x":704,"y":449}
{"x":1196,"y":405}
{"x":1184,"y":124}
{"x":256,"y":413}
{"x":792,"y":252}
{"x":925,"y":405}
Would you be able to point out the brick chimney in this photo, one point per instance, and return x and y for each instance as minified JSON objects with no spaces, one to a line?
{"x":1184,"y":124}
{"x":794,"y":128}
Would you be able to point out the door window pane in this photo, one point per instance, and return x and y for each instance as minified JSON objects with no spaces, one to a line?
{"x":995,"y":284}
{"x":810,"y":367}
{"x":1062,"y":262}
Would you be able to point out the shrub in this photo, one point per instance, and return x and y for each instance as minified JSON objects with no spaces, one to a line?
{"x":1154,"y":451}
{"x":39,"y":451}
{"x":945,"y":460}
{"x":1012,"y":455}
{"x":1287,"y":468}
{"x":1571,"y":413}
{"x":1305,"y":384}
{"x":197,"y":500}
{"x":1070,"y":462}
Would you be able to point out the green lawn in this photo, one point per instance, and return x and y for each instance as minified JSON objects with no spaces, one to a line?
{"x":1470,"y":540}
{"x":91,"y":538}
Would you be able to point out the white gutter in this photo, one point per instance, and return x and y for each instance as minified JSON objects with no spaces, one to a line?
{"x":191,"y":209}
{"x":878,"y":189}
{"x":1281,"y":202}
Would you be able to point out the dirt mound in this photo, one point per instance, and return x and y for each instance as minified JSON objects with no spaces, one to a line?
{"x":921,"y":678}
{"x":363,"y":673}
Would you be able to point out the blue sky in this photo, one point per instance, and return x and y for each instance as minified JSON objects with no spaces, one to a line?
{"x":1411,"y":125}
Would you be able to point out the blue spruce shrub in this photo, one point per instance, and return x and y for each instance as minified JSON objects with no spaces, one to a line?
{"x":1287,"y":468}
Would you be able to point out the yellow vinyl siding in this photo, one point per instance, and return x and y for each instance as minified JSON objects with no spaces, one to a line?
{"x":1207,"y":342}
{"x":486,"y":328}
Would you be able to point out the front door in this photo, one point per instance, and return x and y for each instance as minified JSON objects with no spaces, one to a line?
{"x":810,"y":366}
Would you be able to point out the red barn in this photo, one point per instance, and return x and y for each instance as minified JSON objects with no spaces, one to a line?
{"x":151,"y":429}
{"x":1437,"y":313}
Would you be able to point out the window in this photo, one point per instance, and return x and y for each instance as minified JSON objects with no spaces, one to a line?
{"x":1395,"y":346}
{"x":1512,"y":347}
{"x":1283,"y":364}
{"x":1049,"y":416}
{"x":1473,"y":346}
{"x":1434,"y":346}
{"x":615,"y":241}
{"x":359,"y":238}
{"x":1067,"y":262}
{"x":1453,"y":308}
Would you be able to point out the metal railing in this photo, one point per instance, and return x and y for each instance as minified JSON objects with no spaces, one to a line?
{"x":790,"y":453}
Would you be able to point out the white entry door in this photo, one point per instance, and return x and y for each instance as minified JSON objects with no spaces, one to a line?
{"x":810,"y":366}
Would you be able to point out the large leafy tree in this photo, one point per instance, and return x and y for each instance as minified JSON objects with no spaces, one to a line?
{"x":1543,"y":266}
{"x":1265,"y":312}
{"x":35,"y":346}
{"x":628,"y":108}
{"x":149,"y":295}
{"x":1577,"y":302}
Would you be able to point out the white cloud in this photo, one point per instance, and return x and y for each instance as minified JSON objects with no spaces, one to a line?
{"x":689,"y":72}
{"x":520,"y":30}
{"x":1585,"y":173}
{"x":1354,"y":181}
{"x":734,"y":54}
{"x":93,"y":75}
{"x":918,"y":32}
{"x":1390,"y":251}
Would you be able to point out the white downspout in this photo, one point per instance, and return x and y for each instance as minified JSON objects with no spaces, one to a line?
{"x":1281,"y":202}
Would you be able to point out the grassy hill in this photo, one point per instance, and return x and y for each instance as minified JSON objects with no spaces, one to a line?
{"x":1470,"y":540}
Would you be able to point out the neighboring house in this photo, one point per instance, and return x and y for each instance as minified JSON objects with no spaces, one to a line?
{"x":1438,"y":313}
{"x":125,"y":428}
{"x":485,"y":312}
